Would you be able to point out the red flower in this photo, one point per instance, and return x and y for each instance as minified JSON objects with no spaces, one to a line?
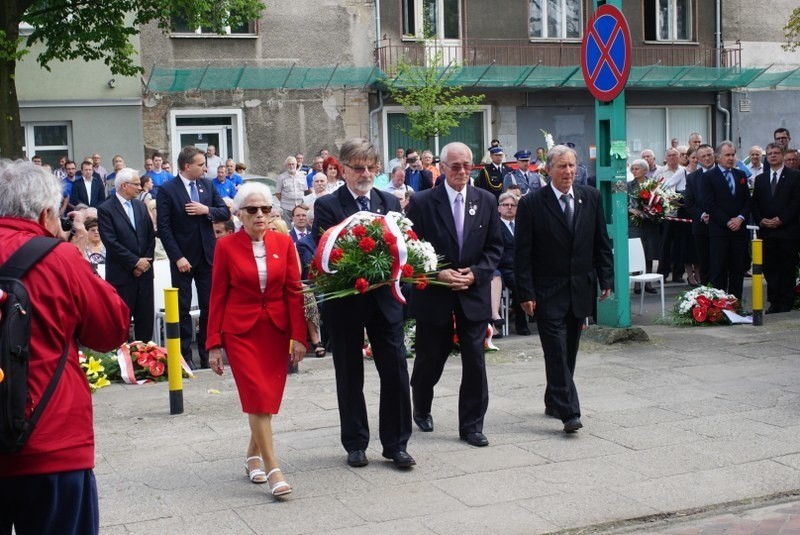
{"x":359,"y":231}
{"x":658,"y":208}
{"x":144,"y":361}
{"x":389,"y":238}
{"x":422,"y":282}
{"x":336,"y":255}
{"x":699,"y":314}
{"x":413,"y":237}
{"x":314,"y":264}
{"x":720,"y":303}
{"x":361,"y":285}
{"x":714,"y":314}
{"x":644,"y":194}
{"x":367,"y":244}
{"x":703,"y":301}
{"x":408,"y":270}
{"x":157,"y":368}
{"x":742,"y":181}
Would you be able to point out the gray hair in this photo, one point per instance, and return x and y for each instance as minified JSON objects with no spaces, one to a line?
{"x":27,"y":190}
{"x":557,"y":152}
{"x":445,"y":152}
{"x":125,"y":175}
{"x":506,"y":195}
{"x":722,"y":145}
{"x":358,"y":149}
{"x":251,"y":188}
{"x":649,"y":151}
{"x":640,"y":163}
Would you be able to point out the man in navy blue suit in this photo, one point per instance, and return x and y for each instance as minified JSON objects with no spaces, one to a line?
{"x":726,"y":199}
{"x":87,"y":188}
{"x":462,"y":224}
{"x":127,"y":233}
{"x":188,"y":204}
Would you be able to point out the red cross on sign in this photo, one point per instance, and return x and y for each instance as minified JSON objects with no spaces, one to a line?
{"x":606,"y":53}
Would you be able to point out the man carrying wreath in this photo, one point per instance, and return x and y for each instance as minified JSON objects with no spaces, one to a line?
{"x":378,"y":311}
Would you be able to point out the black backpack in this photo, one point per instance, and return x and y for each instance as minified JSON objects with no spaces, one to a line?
{"x":15,"y":335}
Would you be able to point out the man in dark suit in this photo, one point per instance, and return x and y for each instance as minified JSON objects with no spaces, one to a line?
{"x":693,"y":201}
{"x":562,"y":252}
{"x":188,"y":204}
{"x":776,"y":204}
{"x":376,"y":311}
{"x":127,"y":233}
{"x":417,"y":178}
{"x":726,"y":199}
{"x":87,"y":188}
{"x":491,"y":176}
{"x":299,"y":223}
{"x":462,"y":224}
{"x":508,"y":214}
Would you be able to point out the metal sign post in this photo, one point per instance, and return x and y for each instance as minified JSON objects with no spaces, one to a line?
{"x":606,"y":64}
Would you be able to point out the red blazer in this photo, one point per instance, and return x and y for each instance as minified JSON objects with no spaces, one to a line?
{"x":236,"y":297}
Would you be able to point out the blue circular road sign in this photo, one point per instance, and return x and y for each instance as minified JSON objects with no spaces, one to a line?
{"x":606,"y":53}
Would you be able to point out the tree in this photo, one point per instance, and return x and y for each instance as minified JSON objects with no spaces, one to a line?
{"x":433,"y":104}
{"x":93,"y":30}
{"x":792,"y":31}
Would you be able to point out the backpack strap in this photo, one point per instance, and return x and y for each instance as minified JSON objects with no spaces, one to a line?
{"x":16,"y":267}
{"x":27,"y":256}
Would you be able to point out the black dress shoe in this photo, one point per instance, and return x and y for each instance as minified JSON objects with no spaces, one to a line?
{"x":650,"y":290}
{"x":637,"y":291}
{"x":572,"y":425}
{"x":357,"y":458}
{"x":478,"y":440}
{"x":499,"y":323}
{"x":524,"y":332}
{"x":497,"y":335}
{"x":424,"y":422}
{"x":401,"y":459}
{"x":548,"y":411}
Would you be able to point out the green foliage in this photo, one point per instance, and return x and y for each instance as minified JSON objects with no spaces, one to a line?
{"x":102,"y":29}
{"x":10,"y":49}
{"x":792,"y":31}
{"x":432,"y":103}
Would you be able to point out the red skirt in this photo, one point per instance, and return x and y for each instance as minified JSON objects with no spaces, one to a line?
{"x":259,"y":361}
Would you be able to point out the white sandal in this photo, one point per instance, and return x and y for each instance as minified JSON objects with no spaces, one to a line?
{"x":256,"y":475}
{"x":281,"y":488}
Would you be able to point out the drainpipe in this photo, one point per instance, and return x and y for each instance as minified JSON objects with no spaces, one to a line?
{"x":373,"y":121}
{"x":718,"y":63}
{"x":377,"y":24}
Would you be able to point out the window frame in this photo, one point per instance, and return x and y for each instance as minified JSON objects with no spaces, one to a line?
{"x":563,"y":22}
{"x":30,"y":148}
{"x":652,"y":30}
{"x":419,"y":21}
{"x":251,"y":33}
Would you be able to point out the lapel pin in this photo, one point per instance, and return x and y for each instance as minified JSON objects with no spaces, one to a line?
{"x":580,"y":201}
{"x":471,"y":210}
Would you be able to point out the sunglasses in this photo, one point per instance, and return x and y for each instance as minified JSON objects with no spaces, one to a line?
{"x":253,"y":210}
{"x":360,"y":169}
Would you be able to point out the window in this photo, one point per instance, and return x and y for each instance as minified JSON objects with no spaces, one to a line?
{"x":668,"y":20}
{"x":653,"y":127}
{"x":181,"y":26}
{"x":437,"y":19}
{"x":51,"y":141}
{"x":223,"y":128}
{"x":556,"y":19}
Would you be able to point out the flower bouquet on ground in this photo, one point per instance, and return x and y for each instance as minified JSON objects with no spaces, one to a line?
{"x":137,"y":363}
{"x":654,"y":202}
{"x":93,"y":367}
{"x":367,"y":251}
{"x":704,"y":305}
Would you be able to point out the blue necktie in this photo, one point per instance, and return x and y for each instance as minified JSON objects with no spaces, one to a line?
{"x":731,"y":185}
{"x":129,"y":209}
{"x":363,"y":203}
{"x":193,"y":192}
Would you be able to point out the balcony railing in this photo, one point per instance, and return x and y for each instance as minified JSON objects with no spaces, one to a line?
{"x":521,"y":52}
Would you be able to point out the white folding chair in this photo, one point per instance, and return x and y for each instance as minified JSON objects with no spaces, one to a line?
{"x":162,"y":280}
{"x":505,"y":306}
{"x":637,"y":268}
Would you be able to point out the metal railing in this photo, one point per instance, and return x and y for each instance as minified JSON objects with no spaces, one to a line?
{"x":522,"y":52}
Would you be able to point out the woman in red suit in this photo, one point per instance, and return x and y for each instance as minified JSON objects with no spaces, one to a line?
{"x":256,"y":315}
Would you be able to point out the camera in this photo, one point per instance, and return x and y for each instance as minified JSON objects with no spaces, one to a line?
{"x":66,"y":224}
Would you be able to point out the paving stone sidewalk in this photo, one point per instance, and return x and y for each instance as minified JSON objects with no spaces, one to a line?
{"x":694,"y":418}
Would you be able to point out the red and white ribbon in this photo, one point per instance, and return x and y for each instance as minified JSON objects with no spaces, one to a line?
{"x":126,"y":367}
{"x":397,"y":250}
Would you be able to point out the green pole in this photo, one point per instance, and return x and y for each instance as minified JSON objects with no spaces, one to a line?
{"x":611,"y":136}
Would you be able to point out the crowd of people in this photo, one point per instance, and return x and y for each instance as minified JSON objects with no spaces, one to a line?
{"x":536,"y":228}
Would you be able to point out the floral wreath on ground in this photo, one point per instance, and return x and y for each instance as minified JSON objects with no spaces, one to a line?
{"x":704,"y":305}
{"x":654,"y":202}
{"x":134,"y":363}
{"x":367,"y":251}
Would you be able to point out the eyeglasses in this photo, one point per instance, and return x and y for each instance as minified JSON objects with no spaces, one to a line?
{"x":253,"y":210}
{"x":359,"y":169}
{"x":135,"y":184}
{"x":457,"y":167}
{"x":508,"y":205}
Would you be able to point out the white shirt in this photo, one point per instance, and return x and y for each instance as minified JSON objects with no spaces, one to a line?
{"x":395,"y":162}
{"x":212,"y":163}
{"x":402,"y":187}
{"x":508,"y":224}
{"x":674,"y":180}
{"x":260,"y":253}
{"x":779,"y":170}
{"x":186,"y":183}
{"x":451,"y":195}
{"x":88,"y":185}
{"x":558,"y":195}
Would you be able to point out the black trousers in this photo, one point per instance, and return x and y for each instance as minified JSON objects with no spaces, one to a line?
{"x":560,"y":338}
{"x":434,"y":344}
{"x":701,"y":247}
{"x":201,"y":275}
{"x":780,"y":258}
{"x":728,"y":262}
{"x":138,"y":296}
{"x":346,"y":327}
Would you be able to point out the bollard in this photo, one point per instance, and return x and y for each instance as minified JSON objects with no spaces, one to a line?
{"x":758,"y":283}
{"x":173,"y":331}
